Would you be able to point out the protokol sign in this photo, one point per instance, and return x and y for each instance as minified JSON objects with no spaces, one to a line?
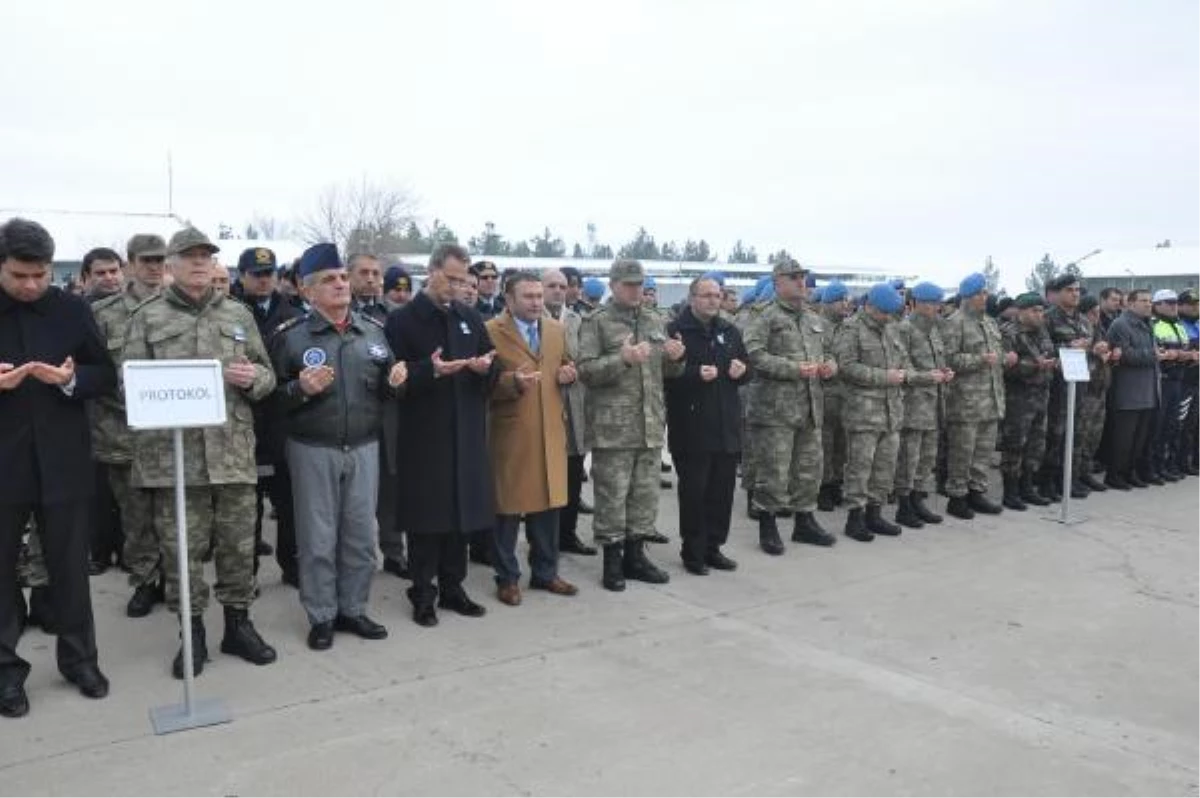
{"x":1074,"y":365}
{"x":174,"y":394}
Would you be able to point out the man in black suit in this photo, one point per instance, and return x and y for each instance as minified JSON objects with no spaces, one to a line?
{"x":52,"y":359}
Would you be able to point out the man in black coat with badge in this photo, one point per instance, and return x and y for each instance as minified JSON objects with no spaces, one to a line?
{"x":704,"y":425}
{"x":444,"y":480}
{"x":52,"y":359}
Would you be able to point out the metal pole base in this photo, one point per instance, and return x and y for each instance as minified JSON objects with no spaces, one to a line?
{"x":1070,"y":520}
{"x":175,"y":717}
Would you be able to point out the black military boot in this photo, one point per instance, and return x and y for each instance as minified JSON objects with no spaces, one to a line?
{"x":1050,"y":489}
{"x":41,"y":609}
{"x":768,"y":534}
{"x":144,"y":598}
{"x":807,"y":530}
{"x":638,"y":566}
{"x":839,"y":494}
{"x":878,"y":524}
{"x":906,"y":515}
{"x":241,"y":639}
{"x":855,"y":528}
{"x":1028,"y":491}
{"x":199,"y":650}
{"x":1079,"y":490}
{"x":980,"y":503}
{"x":959,"y":507}
{"x":825,"y":500}
{"x":614,"y":575}
{"x":1093,"y":484}
{"x":922,"y":510}
{"x":1012,"y":493}
{"x":752,"y":512}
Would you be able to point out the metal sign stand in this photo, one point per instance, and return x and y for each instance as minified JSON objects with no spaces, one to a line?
{"x":191,"y":713}
{"x":1070,"y":359}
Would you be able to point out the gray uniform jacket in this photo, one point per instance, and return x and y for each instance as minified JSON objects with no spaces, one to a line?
{"x":349,"y":412}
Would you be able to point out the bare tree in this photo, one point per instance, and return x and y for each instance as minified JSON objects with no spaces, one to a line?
{"x":361,"y":216}
{"x":270,"y":227}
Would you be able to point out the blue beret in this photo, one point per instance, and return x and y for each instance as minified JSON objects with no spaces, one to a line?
{"x":593,"y":289}
{"x":883,"y":296}
{"x":393,"y":277}
{"x":898,"y":284}
{"x":816,"y":294}
{"x":719,"y":277}
{"x":810,"y":280}
{"x":836,"y":291}
{"x":649,"y":284}
{"x":767,"y":293}
{"x":927,"y":292}
{"x":971,"y":285}
{"x":319,"y":257}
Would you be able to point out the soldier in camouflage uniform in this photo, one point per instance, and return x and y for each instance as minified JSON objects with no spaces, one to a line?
{"x":188,"y":321}
{"x":1069,"y":329}
{"x":753,"y":304}
{"x":1093,"y":405}
{"x":1027,"y":390}
{"x":834,"y":307}
{"x":874,"y":366}
{"x":924,"y":407}
{"x":975,"y":400}
{"x":785,"y":344}
{"x":112,"y":441}
{"x":623,"y":356}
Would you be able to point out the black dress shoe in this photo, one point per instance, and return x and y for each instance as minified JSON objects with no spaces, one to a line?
{"x":1091,"y":483}
{"x":362,"y":626}
{"x":263,"y":549}
{"x":397,"y":566}
{"x":571,"y":544}
{"x":656,"y":537}
{"x":697,"y":568}
{"x":320,"y":636}
{"x":1153,"y":479}
{"x":424,"y":615}
{"x":585,"y":508}
{"x":1135,"y":481}
{"x":719,"y":562}
{"x":13,"y":701}
{"x":1116,"y":483}
{"x":96,"y":567}
{"x":89,"y":680}
{"x":461,"y":603}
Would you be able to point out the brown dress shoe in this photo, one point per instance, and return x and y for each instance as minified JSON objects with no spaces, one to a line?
{"x":558,"y":586}
{"x":509,"y":594}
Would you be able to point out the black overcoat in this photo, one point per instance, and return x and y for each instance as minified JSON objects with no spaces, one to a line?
{"x":444,"y":481}
{"x":706,"y":417}
{"x":45,"y":443}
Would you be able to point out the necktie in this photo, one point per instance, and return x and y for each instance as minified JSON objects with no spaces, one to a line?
{"x":531,"y":333}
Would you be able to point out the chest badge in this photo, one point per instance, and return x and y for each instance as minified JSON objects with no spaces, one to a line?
{"x":462,"y":325}
{"x":239,"y":333}
{"x":377,"y":352}
{"x":721,"y":339}
{"x":314,"y":357}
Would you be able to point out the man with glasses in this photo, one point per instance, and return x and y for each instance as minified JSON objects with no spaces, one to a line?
{"x":490,"y":301}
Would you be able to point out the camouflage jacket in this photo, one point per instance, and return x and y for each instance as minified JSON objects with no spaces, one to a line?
{"x":171,"y":326}
{"x":866,"y":349}
{"x":976,"y":394}
{"x":112,"y":440}
{"x":1029,"y":346}
{"x":778,"y":340}
{"x":625,"y":406}
{"x":833,"y":322}
{"x":924,"y":401}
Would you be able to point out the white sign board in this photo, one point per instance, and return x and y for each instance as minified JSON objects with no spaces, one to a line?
{"x":1074,"y":365}
{"x":174,"y":394}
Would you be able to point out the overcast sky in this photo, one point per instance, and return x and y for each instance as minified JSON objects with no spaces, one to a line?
{"x":915,"y":132}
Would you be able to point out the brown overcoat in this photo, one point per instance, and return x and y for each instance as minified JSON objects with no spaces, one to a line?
{"x":527,"y":435}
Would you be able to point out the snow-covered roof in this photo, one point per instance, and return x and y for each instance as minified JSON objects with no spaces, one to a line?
{"x":1158,"y":262}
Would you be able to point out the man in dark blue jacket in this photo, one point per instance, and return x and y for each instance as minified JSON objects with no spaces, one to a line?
{"x":52,"y":359}
{"x":704,"y":425}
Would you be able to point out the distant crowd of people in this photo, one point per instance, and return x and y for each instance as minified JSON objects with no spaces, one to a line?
{"x":430,"y":422}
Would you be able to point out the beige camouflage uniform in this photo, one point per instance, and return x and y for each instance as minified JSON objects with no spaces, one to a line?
{"x":924,"y":406}
{"x":974,"y":399}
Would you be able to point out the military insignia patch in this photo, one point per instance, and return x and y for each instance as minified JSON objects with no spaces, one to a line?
{"x":239,"y":333}
{"x":262,"y":256}
{"x":377,"y":352}
{"x":314,"y":357}
{"x":465,"y":329}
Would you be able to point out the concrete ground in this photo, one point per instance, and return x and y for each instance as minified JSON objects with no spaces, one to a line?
{"x":1010,"y":655}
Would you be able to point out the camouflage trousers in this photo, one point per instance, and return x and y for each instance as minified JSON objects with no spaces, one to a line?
{"x":625,"y":488}
{"x":969,"y":448}
{"x":748,"y":450}
{"x":834,"y":439}
{"x":870,"y":466}
{"x":31,"y":564}
{"x":220,"y":516}
{"x":1089,"y":425}
{"x":1056,"y":434}
{"x":141,"y":554}
{"x":915,"y":461}
{"x":1023,"y":432}
{"x":788,"y":463}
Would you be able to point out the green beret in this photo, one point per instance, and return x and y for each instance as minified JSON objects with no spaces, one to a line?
{"x":1029,"y":300}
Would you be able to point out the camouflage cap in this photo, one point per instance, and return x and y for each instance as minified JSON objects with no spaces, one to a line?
{"x":190,"y":238}
{"x":147,"y":245}
{"x":787,"y":266}
{"x":627,"y":271}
